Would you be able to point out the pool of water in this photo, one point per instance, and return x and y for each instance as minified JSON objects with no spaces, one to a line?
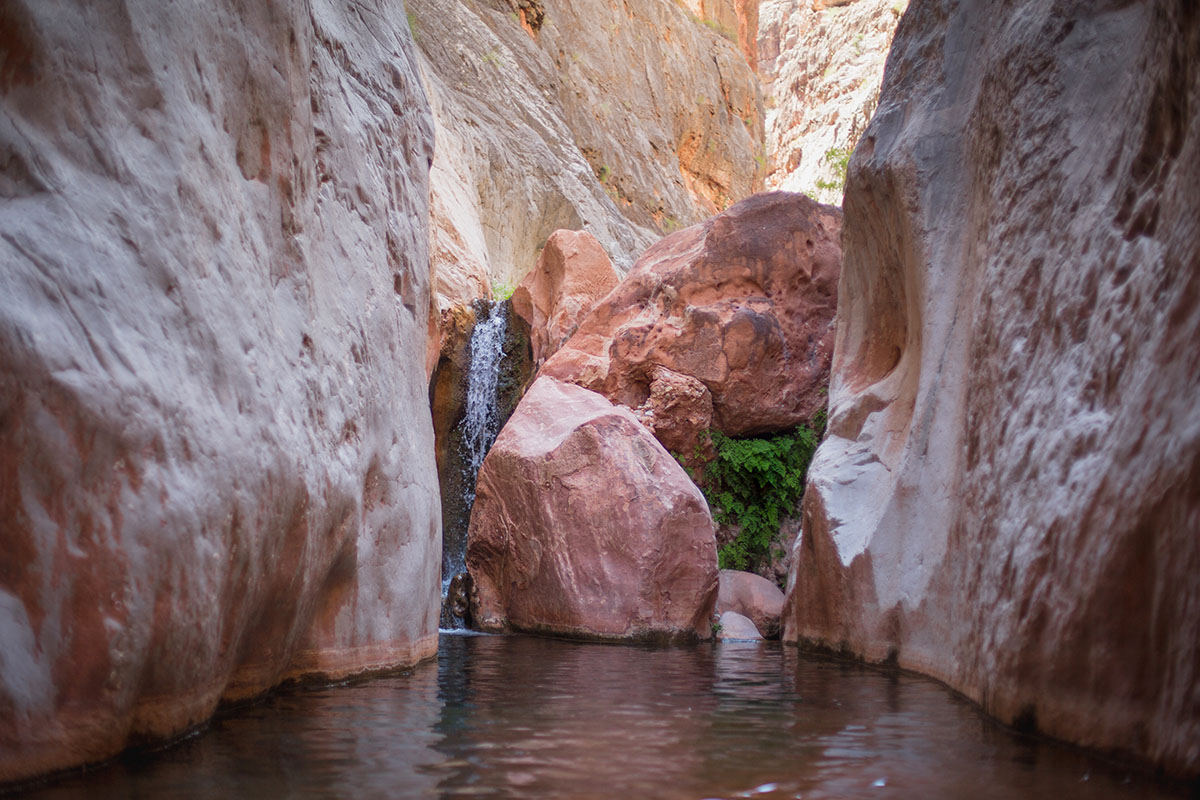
{"x":524,"y":717}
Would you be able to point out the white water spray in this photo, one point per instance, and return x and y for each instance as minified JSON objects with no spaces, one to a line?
{"x":481,"y":418}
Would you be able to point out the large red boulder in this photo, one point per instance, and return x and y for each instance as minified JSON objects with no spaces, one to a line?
{"x":572,"y":274}
{"x":583,"y":525}
{"x":742,"y":305}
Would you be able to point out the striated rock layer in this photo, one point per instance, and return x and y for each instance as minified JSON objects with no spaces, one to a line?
{"x":821,"y":66}
{"x":627,"y":120}
{"x":1009,"y":495}
{"x":216,"y":459}
{"x":585,"y":526}
{"x":727,"y":324}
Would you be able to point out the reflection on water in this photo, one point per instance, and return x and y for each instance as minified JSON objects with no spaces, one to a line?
{"x":526,"y":717}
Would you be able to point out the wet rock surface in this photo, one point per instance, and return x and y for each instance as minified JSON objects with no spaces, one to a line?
{"x":752,"y":596}
{"x":735,"y":627}
{"x":735,"y":314}
{"x":585,"y":526}
{"x":217,"y":465}
{"x":1009,"y":493}
{"x":480,"y":377}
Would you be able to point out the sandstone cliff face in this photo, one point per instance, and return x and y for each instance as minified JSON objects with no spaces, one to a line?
{"x":734,"y":19}
{"x":821,"y":69}
{"x":1009,"y":495}
{"x":216,"y":460}
{"x":625,"y":120}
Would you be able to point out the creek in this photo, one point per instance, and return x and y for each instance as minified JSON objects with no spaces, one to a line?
{"x":516,"y":716}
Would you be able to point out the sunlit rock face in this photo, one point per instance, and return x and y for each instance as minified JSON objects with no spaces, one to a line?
{"x":627,"y":120}
{"x":216,"y":458}
{"x":733,"y":19}
{"x":728,"y":324}
{"x":584,"y":526}
{"x":1009,"y":495}
{"x":821,"y":64}
{"x":572,"y":275}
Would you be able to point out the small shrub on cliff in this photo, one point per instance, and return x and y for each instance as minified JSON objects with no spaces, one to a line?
{"x":754,"y":483}
{"x":502,"y":290}
{"x":838,"y":159}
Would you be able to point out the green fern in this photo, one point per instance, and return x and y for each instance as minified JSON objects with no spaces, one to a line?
{"x":754,"y":483}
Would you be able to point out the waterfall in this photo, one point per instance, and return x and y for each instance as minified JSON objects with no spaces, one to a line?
{"x":478,"y":430}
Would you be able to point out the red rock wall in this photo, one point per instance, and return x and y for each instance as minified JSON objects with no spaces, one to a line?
{"x":1009,"y":496}
{"x":216,"y":458}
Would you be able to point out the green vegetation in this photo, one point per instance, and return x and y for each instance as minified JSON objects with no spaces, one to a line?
{"x":754,"y":483}
{"x":502,"y":290}
{"x":491,"y":57}
{"x":717,"y":27}
{"x":412,"y":24}
{"x":605,"y":176}
{"x":838,"y":159}
{"x":711,"y":24}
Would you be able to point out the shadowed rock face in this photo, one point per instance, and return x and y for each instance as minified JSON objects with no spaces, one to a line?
{"x":216,"y":459}
{"x":732,"y":318}
{"x":1009,"y":494}
{"x":583,"y":525}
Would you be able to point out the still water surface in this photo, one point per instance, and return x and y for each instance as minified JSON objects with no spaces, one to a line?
{"x":537,"y":718}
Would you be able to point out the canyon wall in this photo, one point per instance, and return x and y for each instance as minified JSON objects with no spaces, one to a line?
{"x":625,"y":120}
{"x":216,"y":458}
{"x":1009,"y":494}
{"x":821,"y":66}
{"x":736,"y":20}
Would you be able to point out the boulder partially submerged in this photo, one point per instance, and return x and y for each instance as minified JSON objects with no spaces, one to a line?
{"x":584,"y":526}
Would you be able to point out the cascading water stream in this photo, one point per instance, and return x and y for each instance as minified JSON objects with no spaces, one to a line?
{"x":479,"y":427}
